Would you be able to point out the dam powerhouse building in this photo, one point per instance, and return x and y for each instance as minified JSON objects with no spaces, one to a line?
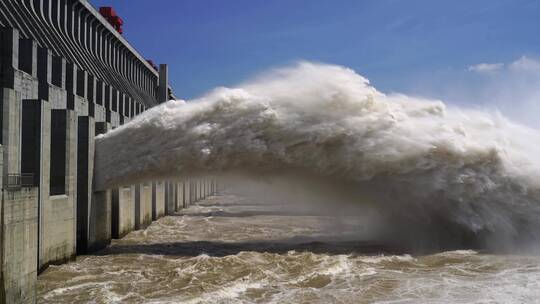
{"x":67,"y":75}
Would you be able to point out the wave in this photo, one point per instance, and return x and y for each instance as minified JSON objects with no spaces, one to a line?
{"x":428,"y":170}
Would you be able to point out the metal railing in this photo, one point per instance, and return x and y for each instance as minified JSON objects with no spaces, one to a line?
{"x":17,"y":181}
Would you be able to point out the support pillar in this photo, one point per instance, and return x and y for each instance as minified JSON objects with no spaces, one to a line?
{"x":123,"y":211}
{"x":145,"y":205}
{"x":163,"y":89}
{"x":58,"y":225}
{"x":158,"y":199}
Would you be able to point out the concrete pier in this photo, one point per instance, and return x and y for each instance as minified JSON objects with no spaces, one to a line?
{"x":143,"y":206}
{"x":123,"y":211}
{"x":158,"y":199}
{"x":98,"y":214}
{"x":58,"y":208}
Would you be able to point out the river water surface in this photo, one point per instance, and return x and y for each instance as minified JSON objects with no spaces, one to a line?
{"x":230,"y":249}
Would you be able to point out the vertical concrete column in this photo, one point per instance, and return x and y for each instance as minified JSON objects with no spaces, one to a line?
{"x":99,"y":212}
{"x":174,"y":185}
{"x":145,"y":205}
{"x":35,"y":155}
{"x":71,"y":85}
{"x":186,"y":193}
{"x":85,"y":173}
{"x":107,"y":97}
{"x":191,"y":191}
{"x":199,"y":189}
{"x":93,"y":208}
{"x":11,"y":130}
{"x":35,"y":142}
{"x":169,"y":200}
{"x":163,"y":89}
{"x":137,"y":207}
{"x":91,"y":93}
{"x":154,"y":203}
{"x":203,"y":188}
{"x":123,"y":211}
{"x":57,"y":90}
{"x":172,"y":203}
{"x":91,"y":88}
{"x":196,"y":185}
{"x":166,"y":191}
{"x":159,"y":199}
{"x":206,"y":187}
{"x":183,"y":197}
{"x":179,"y":195}
{"x":9,"y":56}
{"x":58,"y":218}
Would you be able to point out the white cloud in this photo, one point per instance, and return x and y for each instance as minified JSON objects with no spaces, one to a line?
{"x":486,"y":67}
{"x":525,"y":63}
{"x":512,"y":87}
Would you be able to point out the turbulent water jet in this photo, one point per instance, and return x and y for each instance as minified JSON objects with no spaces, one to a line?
{"x":454,"y":174}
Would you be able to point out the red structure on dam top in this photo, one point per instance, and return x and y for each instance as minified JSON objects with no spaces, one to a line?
{"x":110,"y":14}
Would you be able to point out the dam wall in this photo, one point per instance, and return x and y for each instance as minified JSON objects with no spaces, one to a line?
{"x":66,"y":76}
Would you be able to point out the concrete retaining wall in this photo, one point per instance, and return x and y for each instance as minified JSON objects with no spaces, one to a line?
{"x":58,"y":242}
{"x":19,"y":230}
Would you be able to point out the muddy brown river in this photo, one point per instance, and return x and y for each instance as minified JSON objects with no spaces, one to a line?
{"x":230,"y":249}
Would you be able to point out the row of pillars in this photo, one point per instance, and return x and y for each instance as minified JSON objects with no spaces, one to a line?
{"x":49,"y":122}
{"x":136,"y":206}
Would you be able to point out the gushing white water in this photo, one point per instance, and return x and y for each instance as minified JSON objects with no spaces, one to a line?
{"x":454,"y":174}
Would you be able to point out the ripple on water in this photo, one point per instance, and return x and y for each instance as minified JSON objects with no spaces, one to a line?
{"x":168,"y":263}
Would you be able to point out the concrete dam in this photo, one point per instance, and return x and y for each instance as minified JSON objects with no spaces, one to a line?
{"x":67,"y":75}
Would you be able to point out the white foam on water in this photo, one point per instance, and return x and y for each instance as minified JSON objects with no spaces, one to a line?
{"x":69,"y":289}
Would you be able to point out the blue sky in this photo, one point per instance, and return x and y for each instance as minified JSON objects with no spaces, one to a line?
{"x":428,"y":48}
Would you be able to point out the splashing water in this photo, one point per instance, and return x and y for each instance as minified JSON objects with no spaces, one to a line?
{"x":429,"y":171}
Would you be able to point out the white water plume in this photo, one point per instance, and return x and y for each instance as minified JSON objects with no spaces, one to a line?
{"x":447,"y":171}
